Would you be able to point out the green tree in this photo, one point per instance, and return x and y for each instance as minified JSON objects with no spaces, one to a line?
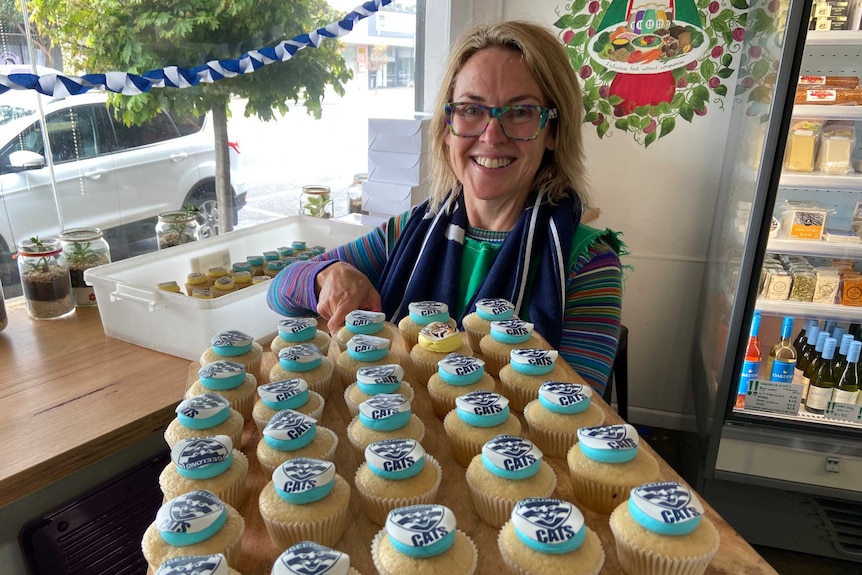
{"x":139,"y":35}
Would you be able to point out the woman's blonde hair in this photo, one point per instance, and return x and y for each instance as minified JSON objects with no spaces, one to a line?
{"x":562,"y":168}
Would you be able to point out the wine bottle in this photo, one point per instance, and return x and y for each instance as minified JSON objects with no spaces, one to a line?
{"x":847,"y":385}
{"x":807,"y":354}
{"x":841,"y":354}
{"x":814,"y":362}
{"x":751,"y":365}
{"x":855,"y":330}
{"x":802,"y":338}
{"x":823,"y":380}
{"x":837,"y":333}
{"x":782,"y":356}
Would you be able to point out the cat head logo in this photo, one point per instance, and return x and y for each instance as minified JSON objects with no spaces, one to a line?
{"x":667,"y":494}
{"x":288,"y":419}
{"x":309,"y":558}
{"x":481,"y":398}
{"x":510,"y":446}
{"x":393,"y":449}
{"x":606,"y":432}
{"x":386,"y":401}
{"x":418,"y":518}
{"x":544,"y":513}
{"x":305,"y":468}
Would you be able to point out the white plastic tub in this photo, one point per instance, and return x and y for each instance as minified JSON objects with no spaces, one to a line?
{"x":133,"y":309}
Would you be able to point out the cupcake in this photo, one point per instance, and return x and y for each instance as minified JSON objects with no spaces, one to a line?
{"x":396,"y":473}
{"x":436,"y":341}
{"x":478,"y":417}
{"x":527,"y":370}
{"x":606,"y":464}
{"x":209,"y":463}
{"x":256,"y":264}
{"x":304,"y":361}
{"x":661,"y":530}
{"x":374,"y":380}
{"x":456,"y":375}
{"x":230,"y":380}
{"x":286,"y":394}
{"x":310,"y":558}
{"x":505,"y":336}
{"x":548,"y":537}
{"x":236,"y":346}
{"x":423,"y":540}
{"x":420,"y":314}
{"x":555,"y":417}
{"x":298,"y":330}
{"x":384,"y":416}
{"x":363,"y":351}
{"x":478,"y":324}
{"x":195,"y":523}
{"x":197,"y":280}
{"x":203,"y":415}
{"x":223,"y":286}
{"x":215,"y":564}
{"x":306,"y":500}
{"x":365,"y":323}
{"x":509,"y":469}
{"x":291,"y":434}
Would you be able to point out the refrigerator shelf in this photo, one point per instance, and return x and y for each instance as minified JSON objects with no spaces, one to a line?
{"x":801,"y":416}
{"x":820,"y":181}
{"x":834,"y":38}
{"x":807,"y":310}
{"x":815,"y":248}
{"x":827,"y":112}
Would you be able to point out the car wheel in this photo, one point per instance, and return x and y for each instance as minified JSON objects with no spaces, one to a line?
{"x":204,"y":199}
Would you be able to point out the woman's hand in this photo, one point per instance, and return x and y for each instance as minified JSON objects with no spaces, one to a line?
{"x":341,"y":288}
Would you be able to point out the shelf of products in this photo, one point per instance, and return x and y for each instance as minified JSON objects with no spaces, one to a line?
{"x":808,"y":310}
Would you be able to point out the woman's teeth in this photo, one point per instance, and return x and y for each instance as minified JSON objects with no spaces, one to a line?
{"x":492,"y":162}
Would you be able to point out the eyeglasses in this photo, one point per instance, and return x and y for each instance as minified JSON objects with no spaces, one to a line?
{"x":519,"y":122}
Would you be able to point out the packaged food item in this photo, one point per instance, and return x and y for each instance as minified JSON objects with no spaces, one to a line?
{"x":828,"y":95}
{"x":842,"y":81}
{"x":778,"y":284}
{"x":803,"y":220}
{"x":851,"y":290}
{"x":804,"y":282}
{"x":841,"y":236}
{"x":837,"y":140}
{"x":802,"y":144}
{"x":826,"y":286}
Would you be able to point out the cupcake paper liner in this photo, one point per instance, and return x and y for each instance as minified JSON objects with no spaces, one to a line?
{"x":494,"y":363}
{"x":375,"y":544}
{"x":261,"y":422}
{"x":326,"y":531}
{"x":406,"y":390}
{"x":269,"y":468}
{"x":423,"y":370}
{"x":553,"y":442}
{"x":494,"y":510}
{"x":377,"y":508}
{"x":321,"y":385}
{"x":234,"y":494}
{"x":598,"y":497}
{"x":462,"y":450}
{"x":441,"y":404}
{"x":473,"y":338}
{"x":516,"y":569}
{"x":518,"y":396}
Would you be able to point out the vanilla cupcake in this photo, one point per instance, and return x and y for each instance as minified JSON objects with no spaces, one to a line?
{"x":299,"y":330}
{"x":396,"y":473}
{"x":478,"y":324}
{"x":505,"y":336}
{"x":236,"y":346}
{"x":606,"y":464}
{"x":362,"y":322}
{"x":456,"y":375}
{"x":423,"y":540}
{"x":195,"y":523}
{"x":661,"y":530}
{"x":509,"y":469}
{"x":527,"y":370}
{"x":549,"y":537}
{"x":230,"y":380}
{"x":374,"y":380}
{"x":363,"y":351}
{"x":197,"y":280}
{"x":436,"y":341}
{"x":384,"y":416}
{"x":478,"y":417}
{"x":203,"y":415}
{"x":420,"y":314}
{"x":209,"y":463}
{"x":290,"y":434}
{"x":304,"y":361}
{"x":555,"y":417}
{"x":305,"y":501}
{"x":310,"y":558}
{"x":215,"y":564}
{"x":286,"y":394}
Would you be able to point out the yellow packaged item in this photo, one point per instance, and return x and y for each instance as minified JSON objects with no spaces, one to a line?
{"x":802,"y":143}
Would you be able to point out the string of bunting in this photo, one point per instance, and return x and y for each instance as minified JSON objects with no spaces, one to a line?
{"x":129,"y":84}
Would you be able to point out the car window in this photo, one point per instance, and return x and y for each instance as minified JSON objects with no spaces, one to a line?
{"x":188,"y":124}
{"x":73,"y":134}
{"x":29,"y":139}
{"x":158,"y":129}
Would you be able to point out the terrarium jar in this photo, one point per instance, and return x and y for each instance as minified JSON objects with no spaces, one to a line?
{"x":84,"y":248}
{"x":176,"y":228}
{"x":45,"y":278}
{"x":315,"y":201}
{"x":354,"y":194}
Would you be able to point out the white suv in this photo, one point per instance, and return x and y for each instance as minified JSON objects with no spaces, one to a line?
{"x":107,"y":174}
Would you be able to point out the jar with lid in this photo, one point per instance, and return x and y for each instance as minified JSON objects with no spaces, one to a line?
{"x":315,"y":200}
{"x":177,"y":227}
{"x":84,"y":248}
{"x":45,"y":278}
{"x":354,"y":194}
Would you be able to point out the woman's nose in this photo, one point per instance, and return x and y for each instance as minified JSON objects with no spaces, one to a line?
{"x":494,"y":133}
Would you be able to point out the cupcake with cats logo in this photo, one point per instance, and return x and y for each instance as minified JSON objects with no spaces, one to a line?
{"x":555,"y":417}
{"x":661,"y":530}
{"x":305,"y":501}
{"x":423,"y":540}
{"x":384,"y":416}
{"x":506,"y":335}
{"x":420,"y":314}
{"x":209,"y":463}
{"x":478,"y":324}
{"x":478,"y":417}
{"x":396,"y":473}
{"x":307,"y":362}
{"x":230,"y":380}
{"x":214,"y":564}
{"x":549,"y":537}
{"x":606,"y":464}
{"x":436,"y":341}
{"x":456,"y":375}
{"x":509,"y":469}
{"x":286,"y":394}
{"x":299,"y":330}
{"x":203,"y":415}
{"x":195,"y":523}
{"x":374,"y":380}
{"x":363,"y":351}
{"x":363,"y":322}
{"x":311,"y":558}
{"x":234,"y":345}
{"x":290,"y":434}
{"x":527,"y":370}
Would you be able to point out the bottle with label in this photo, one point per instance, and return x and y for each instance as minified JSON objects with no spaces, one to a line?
{"x":837,"y":333}
{"x":804,"y":358}
{"x":814,"y":362}
{"x":855,"y":330}
{"x":841,"y":354}
{"x":847,"y":386}
{"x":751,"y":365}
{"x":802,"y":338}
{"x":782,"y":356}
{"x":823,"y":380}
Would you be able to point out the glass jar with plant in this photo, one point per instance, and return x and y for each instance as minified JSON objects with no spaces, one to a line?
{"x":315,"y":201}
{"x":84,"y":248}
{"x":178,"y":227}
{"x":45,"y":278}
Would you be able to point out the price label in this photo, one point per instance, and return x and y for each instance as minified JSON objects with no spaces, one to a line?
{"x":844,"y":412}
{"x":773,"y":397}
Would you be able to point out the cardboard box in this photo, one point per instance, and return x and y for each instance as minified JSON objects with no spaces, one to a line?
{"x":396,"y":168}
{"x":401,"y":136}
{"x":388,"y":199}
